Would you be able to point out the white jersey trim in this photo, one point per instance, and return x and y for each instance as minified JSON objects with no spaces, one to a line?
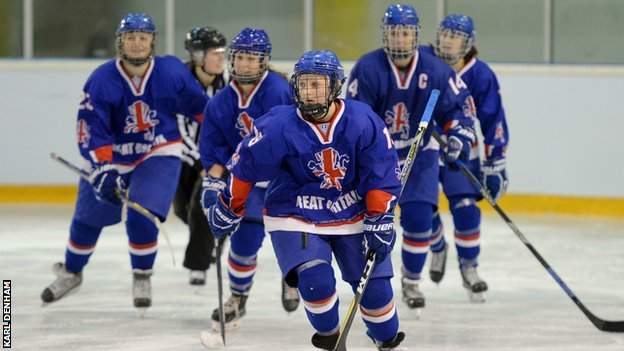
{"x":245,"y":102}
{"x":173,"y":149}
{"x":467,"y":67}
{"x":296,"y":225}
{"x":403,"y":84}
{"x":326,"y":138}
{"x":140,"y":90}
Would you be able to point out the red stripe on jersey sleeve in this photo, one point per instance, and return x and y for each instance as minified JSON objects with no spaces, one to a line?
{"x":104,"y":153}
{"x":378,"y":202}
{"x":450,"y":124}
{"x":240,"y":190}
{"x":199,"y":117}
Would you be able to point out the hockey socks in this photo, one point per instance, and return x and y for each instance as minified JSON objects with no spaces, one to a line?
{"x":82,"y":240}
{"x":416,"y":223}
{"x":467,"y":220}
{"x":317,"y":287}
{"x":378,"y":310}
{"x":438,"y":242}
{"x":142,"y":239}
{"x":242,"y":259}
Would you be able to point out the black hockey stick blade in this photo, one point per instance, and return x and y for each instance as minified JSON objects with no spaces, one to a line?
{"x":601,"y":324}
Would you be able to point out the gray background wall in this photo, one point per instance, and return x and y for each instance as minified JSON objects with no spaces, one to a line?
{"x":566,"y":124}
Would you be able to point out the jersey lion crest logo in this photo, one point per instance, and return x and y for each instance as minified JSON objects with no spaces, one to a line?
{"x":244,"y":124}
{"x":140,"y":118}
{"x":82,"y":133}
{"x":397,"y":120}
{"x":331,"y":165}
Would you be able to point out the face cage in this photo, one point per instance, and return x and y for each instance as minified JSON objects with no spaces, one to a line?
{"x":452,"y":58}
{"x":134,"y":61}
{"x":399,"y":54}
{"x":198,"y":55}
{"x":315,"y":112}
{"x":249,"y":78}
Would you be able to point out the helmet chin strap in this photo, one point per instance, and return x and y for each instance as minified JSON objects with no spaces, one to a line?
{"x":136,"y":61}
{"x":314,"y":112}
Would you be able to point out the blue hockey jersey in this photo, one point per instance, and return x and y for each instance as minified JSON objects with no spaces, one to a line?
{"x":400,"y":97}
{"x":229,"y":116}
{"x":325,"y":176}
{"x":483,"y":86}
{"x":125,"y":120}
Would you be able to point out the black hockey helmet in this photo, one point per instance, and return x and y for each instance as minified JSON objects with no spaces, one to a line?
{"x":204,"y":38}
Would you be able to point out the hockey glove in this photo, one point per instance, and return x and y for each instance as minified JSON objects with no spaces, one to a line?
{"x":379,"y":235}
{"x":211,"y":187}
{"x":188,"y":131}
{"x":222,"y":219}
{"x":459,"y":141}
{"x":494,"y":177}
{"x":106,"y":183}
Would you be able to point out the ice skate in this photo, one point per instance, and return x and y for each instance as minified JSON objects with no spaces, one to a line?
{"x":142,"y":289}
{"x":233,"y":311}
{"x":388,"y":345}
{"x":197,"y":277}
{"x":290,"y":297}
{"x":437,"y":267}
{"x":324,"y":342}
{"x":475,"y":286}
{"x":412,"y":296}
{"x":66,"y":282}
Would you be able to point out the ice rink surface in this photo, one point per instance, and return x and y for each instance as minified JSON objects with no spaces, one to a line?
{"x":525,"y":308}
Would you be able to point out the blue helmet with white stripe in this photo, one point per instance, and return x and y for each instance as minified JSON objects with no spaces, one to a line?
{"x":313,"y":95}
{"x":400,"y":27}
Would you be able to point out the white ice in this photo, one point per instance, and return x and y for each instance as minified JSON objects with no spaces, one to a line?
{"x":525,"y":308}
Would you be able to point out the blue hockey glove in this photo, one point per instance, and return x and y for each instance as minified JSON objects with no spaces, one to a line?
{"x":494,"y":177}
{"x":458,"y":144}
{"x":222,"y":219}
{"x":211,"y":187}
{"x":379,"y":235}
{"x":106,"y":181}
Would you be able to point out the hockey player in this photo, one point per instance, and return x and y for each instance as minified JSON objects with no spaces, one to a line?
{"x":254,"y":89}
{"x":128,"y":134}
{"x":396,"y":82}
{"x":455,"y":45}
{"x":206,"y":48}
{"x":334,"y":185}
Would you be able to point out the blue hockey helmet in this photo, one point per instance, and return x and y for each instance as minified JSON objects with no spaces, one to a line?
{"x":252,"y":41}
{"x":323,"y":63}
{"x":135,"y":22}
{"x":400,"y":28}
{"x":455,"y":26}
{"x":398,"y":14}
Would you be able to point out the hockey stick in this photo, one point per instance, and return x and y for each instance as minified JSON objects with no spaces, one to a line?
{"x":601,"y":324}
{"x":220,"y":289}
{"x":123,"y":196}
{"x":341,"y":343}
